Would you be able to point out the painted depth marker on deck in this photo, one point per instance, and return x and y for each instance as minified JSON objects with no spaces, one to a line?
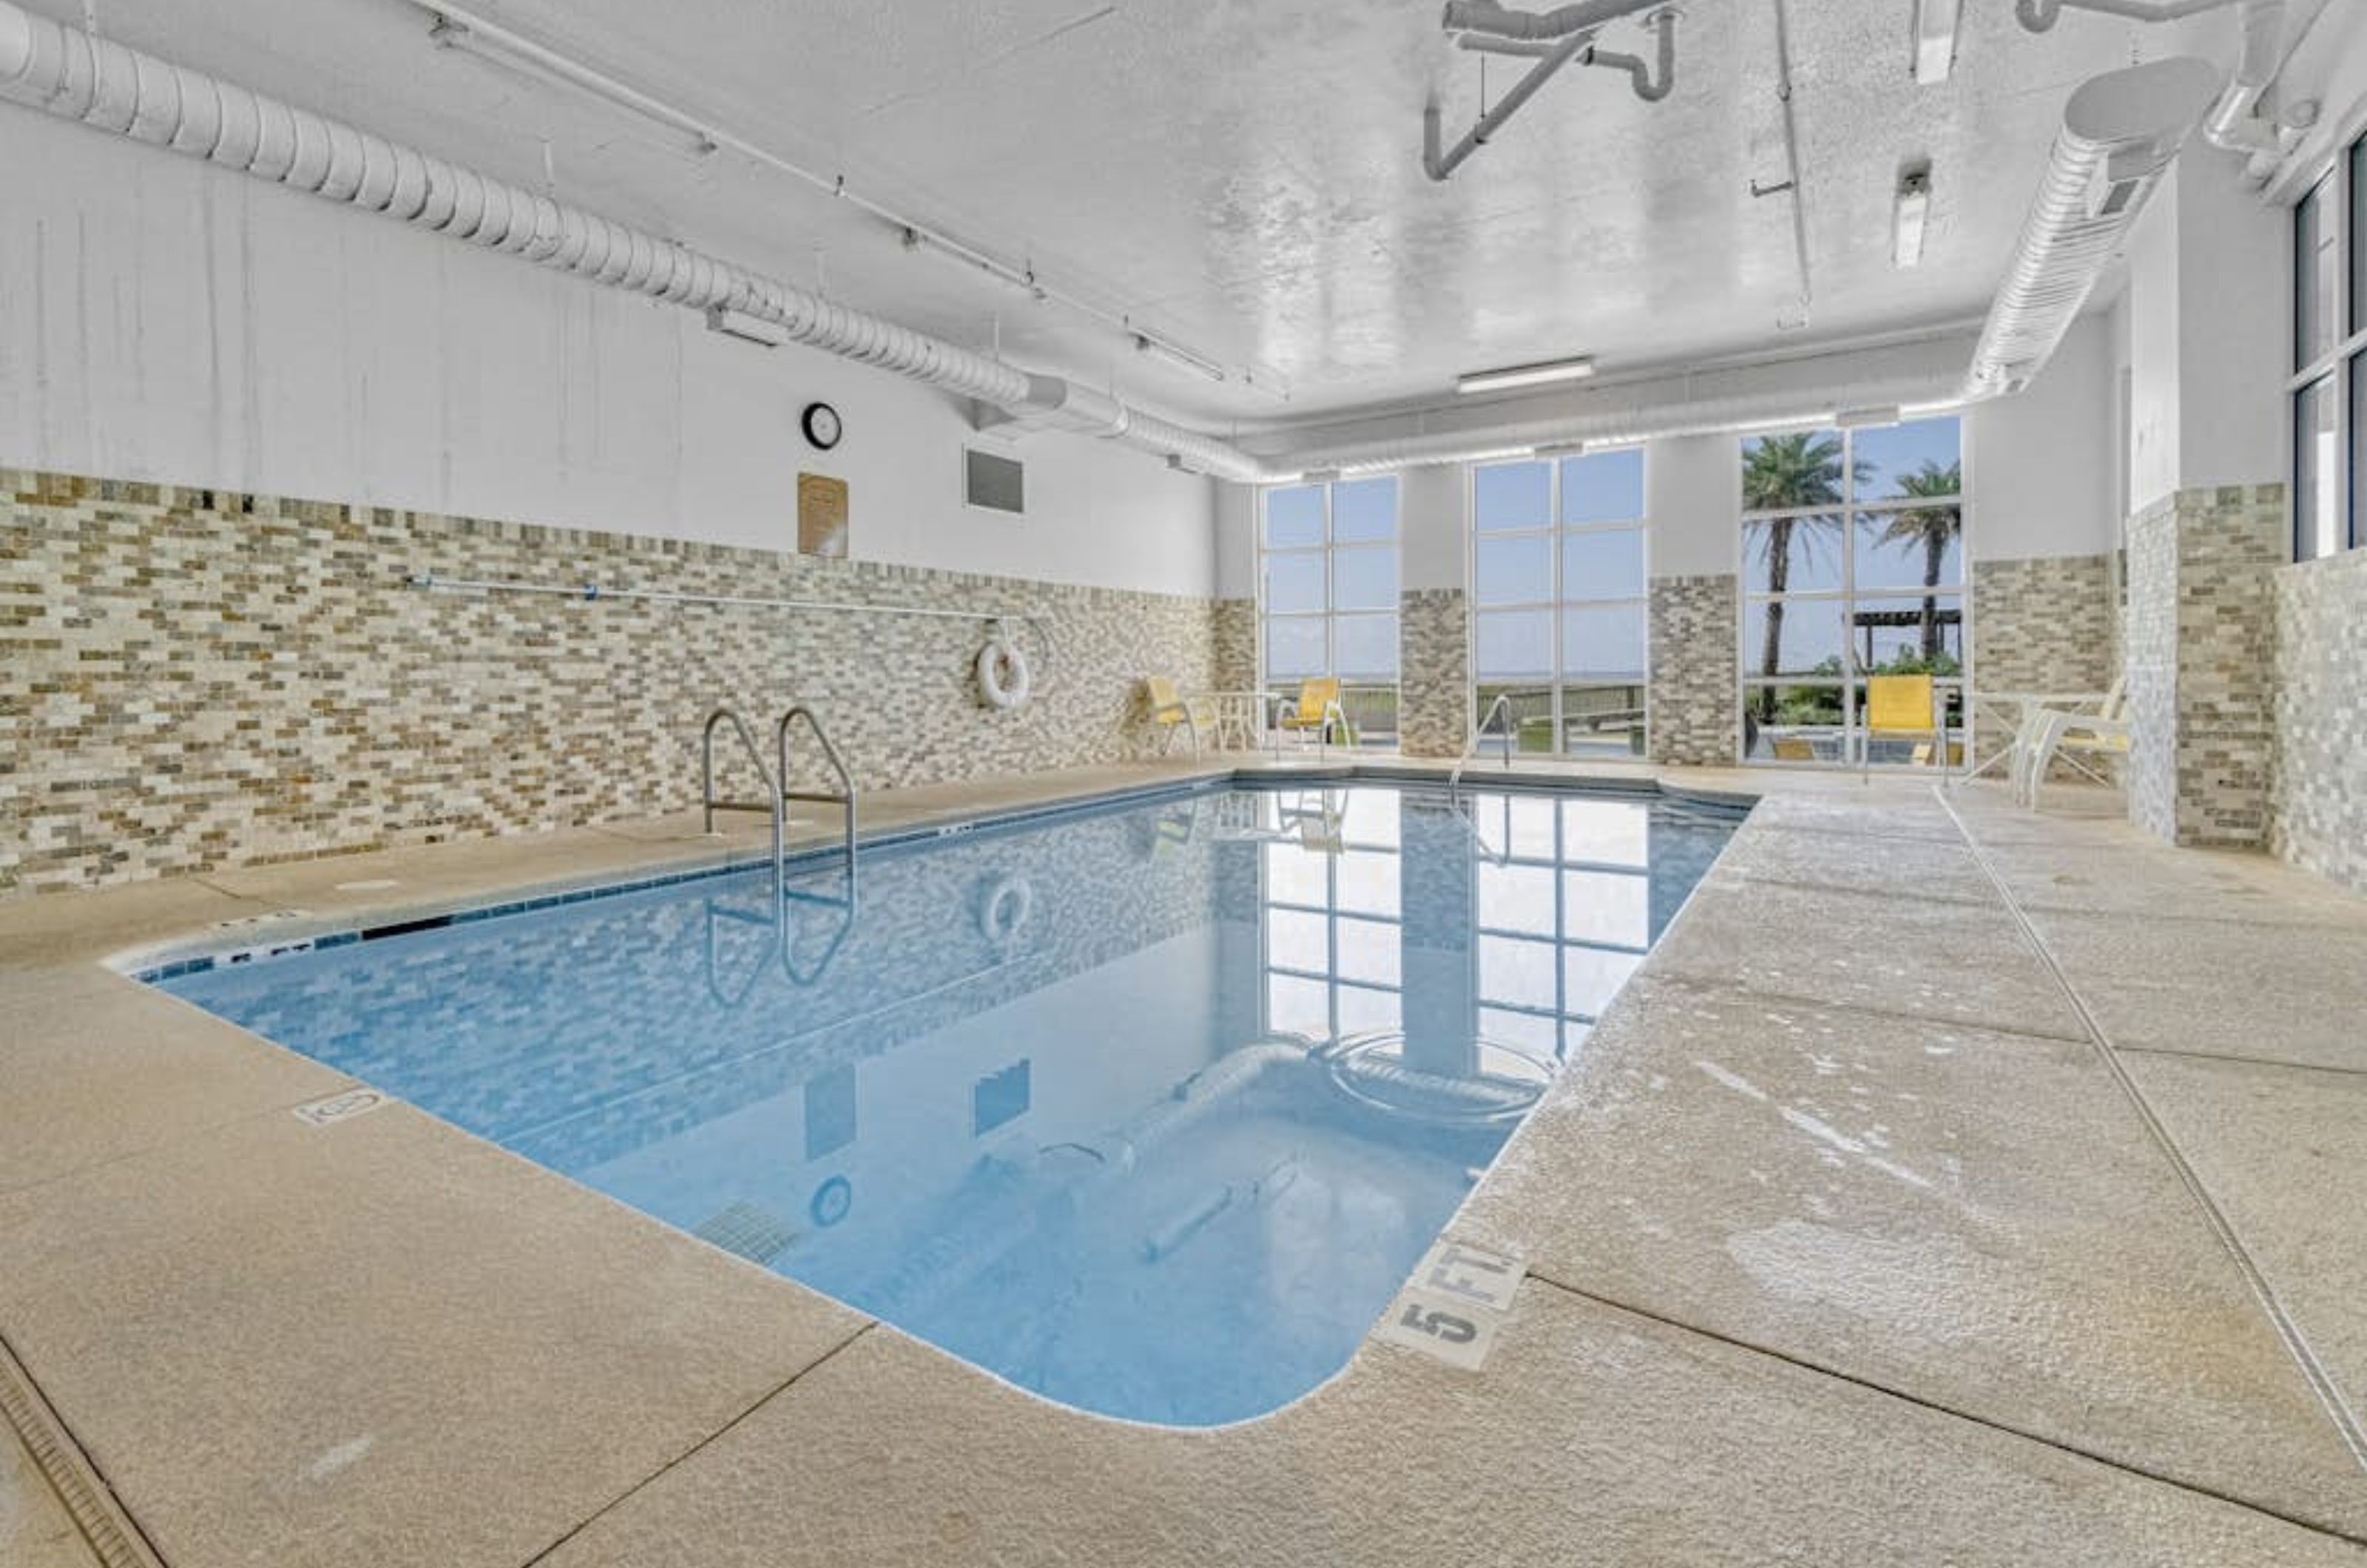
{"x":338,"y":1108}
{"x":1454,"y":1304}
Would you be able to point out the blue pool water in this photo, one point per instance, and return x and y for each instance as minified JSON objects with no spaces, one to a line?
{"x":1149,"y":1108}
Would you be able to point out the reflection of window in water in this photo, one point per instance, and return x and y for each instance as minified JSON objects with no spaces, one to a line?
{"x":1332,"y":919}
{"x":1561,"y":897}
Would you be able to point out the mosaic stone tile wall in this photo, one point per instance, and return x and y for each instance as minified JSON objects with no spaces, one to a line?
{"x":2150,"y":666}
{"x":1694,"y":640}
{"x":2317,"y":792}
{"x":2041,"y":624}
{"x":1236,"y":645}
{"x":1434,"y":672}
{"x":2200,"y":651}
{"x":200,"y":679}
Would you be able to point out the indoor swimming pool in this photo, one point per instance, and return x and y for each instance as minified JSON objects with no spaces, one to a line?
{"x":1149,"y":1107}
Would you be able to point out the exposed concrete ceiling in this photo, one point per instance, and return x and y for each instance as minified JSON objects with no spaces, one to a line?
{"x":1244,"y":178}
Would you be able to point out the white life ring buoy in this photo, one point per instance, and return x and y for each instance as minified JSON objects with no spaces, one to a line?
{"x":1003,"y":679}
{"x":1005,"y":911}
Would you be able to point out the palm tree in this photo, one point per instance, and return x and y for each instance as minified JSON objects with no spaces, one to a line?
{"x":1933,"y":527}
{"x":1780,"y":473}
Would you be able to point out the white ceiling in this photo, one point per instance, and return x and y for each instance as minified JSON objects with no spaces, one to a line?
{"x":1244,"y":177}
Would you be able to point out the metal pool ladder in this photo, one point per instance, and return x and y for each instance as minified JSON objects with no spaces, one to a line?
{"x":846,"y":791}
{"x":1502,"y":704}
{"x":775,"y":780}
{"x":715,"y":803}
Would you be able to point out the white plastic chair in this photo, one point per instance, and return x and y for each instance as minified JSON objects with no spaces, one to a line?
{"x":2048,"y":733}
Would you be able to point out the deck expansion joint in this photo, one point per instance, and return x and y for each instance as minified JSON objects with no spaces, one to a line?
{"x":638,"y":1487}
{"x":1938,"y":1408}
{"x":2322,"y":1383}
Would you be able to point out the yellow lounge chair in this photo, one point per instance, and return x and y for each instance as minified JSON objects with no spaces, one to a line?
{"x":1316,"y":709}
{"x":1901,"y":705}
{"x":1173,"y":711}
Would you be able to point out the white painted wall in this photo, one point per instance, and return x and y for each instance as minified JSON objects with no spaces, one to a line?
{"x":164,"y":319}
{"x":1692,"y":498}
{"x":1432,"y":505}
{"x":2039,"y":467}
{"x":2209,"y":333}
{"x":1235,"y":509}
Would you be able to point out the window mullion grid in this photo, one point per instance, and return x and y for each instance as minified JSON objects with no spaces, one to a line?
{"x":1553,"y":630}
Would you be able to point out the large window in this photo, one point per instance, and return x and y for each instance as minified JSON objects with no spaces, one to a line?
{"x":1853,"y":566}
{"x":1558,"y":606}
{"x":2329,"y":384}
{"x":1328,"y":587}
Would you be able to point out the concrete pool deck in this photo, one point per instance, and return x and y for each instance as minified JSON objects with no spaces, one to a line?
{"x":1954,"y":1185}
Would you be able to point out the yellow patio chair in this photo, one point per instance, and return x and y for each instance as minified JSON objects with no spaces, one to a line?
{"x":1316,"y":709}
{"x":1901,"y":705}
{"x":1173,"y":711}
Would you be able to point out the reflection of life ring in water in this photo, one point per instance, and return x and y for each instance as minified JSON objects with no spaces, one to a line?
{"x":1003,"y":675}
{"x":831,"y":1201}
{"x":1005,"y":911}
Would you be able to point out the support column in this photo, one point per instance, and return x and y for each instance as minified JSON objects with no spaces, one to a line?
{"x":1694,"y":497}
{"x":2200,"y":661}
{"x":1433,"y":615}
{"x":2207,"y":363}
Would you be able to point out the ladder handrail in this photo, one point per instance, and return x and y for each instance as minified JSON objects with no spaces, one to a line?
{"x":1502,"y":704}
{"x":756,"y":761}
{"x":847,"y":793}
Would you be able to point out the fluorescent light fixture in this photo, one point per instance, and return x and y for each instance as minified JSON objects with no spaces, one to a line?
{"x":1858,"y":418}
{"x":1560,"y":449}
{"x":1912,"y":212}
{"x":1538,"y":374}
{"x":1319,"y":476}
{"x":1935,"y":38}
{"x":746,"y":328}
{"x":1151,"y":342}
{"x":1811,"y":419}
{"x":916,"y":237}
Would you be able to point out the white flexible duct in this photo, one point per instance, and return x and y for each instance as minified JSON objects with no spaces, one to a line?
{"x":1929,"y":372}
{"x":2236,"y":124}
{"x":2119,"y":132}
{"x":69,"y":73}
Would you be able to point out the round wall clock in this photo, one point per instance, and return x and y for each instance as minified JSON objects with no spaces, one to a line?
{"x":823,"y":425}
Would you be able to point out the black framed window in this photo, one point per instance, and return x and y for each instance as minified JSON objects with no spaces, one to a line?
{"x":2327,"y":396}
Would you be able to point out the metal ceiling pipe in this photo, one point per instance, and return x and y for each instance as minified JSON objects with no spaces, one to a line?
{"x":2038,"y":15}
{"x":1497,"y":20}
{"x":1439,"y":163}
{"x":1641,"y":72}
{"x":67,"y":72}
{"x":2120,"y":132}
{"x":2236,"y":123}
